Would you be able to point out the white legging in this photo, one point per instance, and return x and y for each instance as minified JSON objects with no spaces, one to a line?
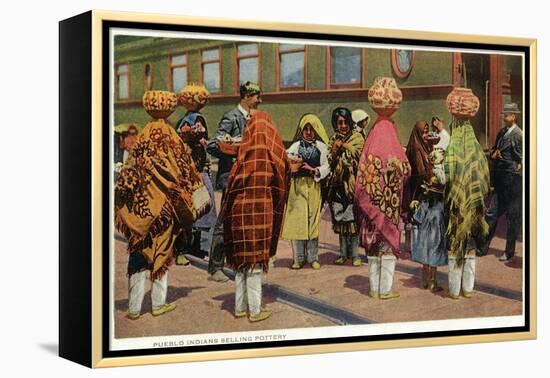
{"x":248,"y":291}
{"x":136,"y":291}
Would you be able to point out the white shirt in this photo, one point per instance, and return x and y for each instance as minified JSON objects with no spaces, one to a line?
{"x":242,"y":110}
{"x":510,"y":129}
{"x":324,"y":168}
{"x":444,"y":140}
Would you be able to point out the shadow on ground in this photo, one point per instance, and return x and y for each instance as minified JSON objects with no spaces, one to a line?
{"x":174,"y":294}
{"x":358,"y":283}
{"x":228,"y":300}
{"x":515,"y":263}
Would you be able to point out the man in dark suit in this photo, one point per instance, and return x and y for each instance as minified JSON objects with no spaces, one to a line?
{"x":507,"y":156}
{"x":231,"y":124}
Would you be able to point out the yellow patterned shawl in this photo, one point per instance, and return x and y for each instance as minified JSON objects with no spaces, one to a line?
{"x":340,"y":184}
{"x":158,"y":193}
{"x":343,"y":167}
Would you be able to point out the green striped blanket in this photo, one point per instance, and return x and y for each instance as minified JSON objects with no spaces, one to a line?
{"x":467,"y":185}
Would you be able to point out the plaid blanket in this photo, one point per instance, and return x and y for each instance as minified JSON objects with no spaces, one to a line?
{"x":157,"y":194}
{"x":256,"y":195}
{"x":467,"y":185}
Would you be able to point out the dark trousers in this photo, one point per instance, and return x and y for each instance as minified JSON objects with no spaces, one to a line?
{"x":216,"y":257}
{"x":506,"y":200}
{"x":188,"y":242}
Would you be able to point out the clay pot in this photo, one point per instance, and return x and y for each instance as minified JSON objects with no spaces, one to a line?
{"x":385,"y":112}
{"x":462,"y":103}
{"x":193,"y":97}
{"x":159,"y":104}
{"x":230,"y":149}
{"x":159,"y":114}
{"x":190,"y":104}
{"x":384,"y":96}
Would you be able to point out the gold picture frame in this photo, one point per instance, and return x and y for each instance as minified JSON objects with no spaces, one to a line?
{"x":87,"y":99}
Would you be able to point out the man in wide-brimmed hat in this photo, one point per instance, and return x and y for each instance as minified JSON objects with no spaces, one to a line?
{"x":507,"y":156}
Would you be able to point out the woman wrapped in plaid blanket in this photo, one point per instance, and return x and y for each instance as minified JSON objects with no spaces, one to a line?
{"x":252,"y":211}
{"x":467,"y":173}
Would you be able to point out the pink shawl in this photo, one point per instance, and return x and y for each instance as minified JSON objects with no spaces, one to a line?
{"x":379,"y":187}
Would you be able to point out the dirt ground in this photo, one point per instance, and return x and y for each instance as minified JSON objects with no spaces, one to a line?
{"x":207,"y":307}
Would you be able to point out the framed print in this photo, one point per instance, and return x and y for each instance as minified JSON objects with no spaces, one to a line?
{"x":240,"y":189}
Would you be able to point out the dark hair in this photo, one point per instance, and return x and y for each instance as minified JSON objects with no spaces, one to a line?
{"x":436,"y":118}
{"x":133,"y":128}
{"x":341,"y":112}
{"x":249,"y":88}
{"x":126,"y":133}
{"x":421,"y":122}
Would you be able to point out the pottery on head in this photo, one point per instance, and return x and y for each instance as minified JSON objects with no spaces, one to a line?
{"x":159,"y":104}
{"x":193,"y":97}
{"x":462,"y":103}
{"x":384,"y":96}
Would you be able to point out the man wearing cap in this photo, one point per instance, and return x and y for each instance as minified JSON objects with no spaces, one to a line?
{"x":232,"y":124}
{"x":507,"y":155}
{"x":361,"y":121}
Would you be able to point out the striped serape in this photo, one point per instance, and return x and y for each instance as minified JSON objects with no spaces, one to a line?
{"x":256,"y":195}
